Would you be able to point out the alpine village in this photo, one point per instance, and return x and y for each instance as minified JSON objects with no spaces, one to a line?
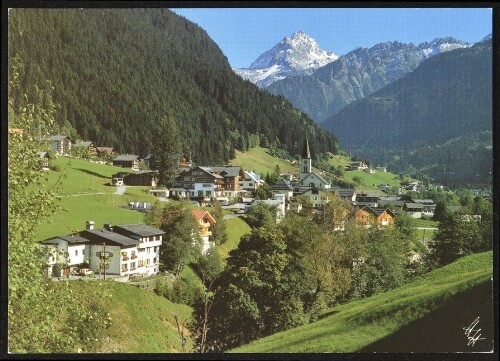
{"x":160,"y":201}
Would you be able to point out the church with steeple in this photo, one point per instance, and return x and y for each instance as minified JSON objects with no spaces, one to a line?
{"x":307,"y":176}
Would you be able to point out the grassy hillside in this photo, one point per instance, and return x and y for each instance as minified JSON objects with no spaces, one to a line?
{"x":84,"y":195}
{"x":141,"y":320}
{"x":353,"y":326}
{"x":261,"y":162}
{"x":236,"y":227}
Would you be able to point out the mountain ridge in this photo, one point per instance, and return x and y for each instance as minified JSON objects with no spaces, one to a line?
{"x":357,"y":74}
{"x":447,"y":97}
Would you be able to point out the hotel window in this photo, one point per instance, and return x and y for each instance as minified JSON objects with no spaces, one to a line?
{"x":76,"y":252}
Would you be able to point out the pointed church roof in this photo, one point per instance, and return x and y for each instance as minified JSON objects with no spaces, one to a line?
{"x":306,"y":153}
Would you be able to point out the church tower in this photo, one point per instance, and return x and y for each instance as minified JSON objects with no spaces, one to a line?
{"x":305,"y":161}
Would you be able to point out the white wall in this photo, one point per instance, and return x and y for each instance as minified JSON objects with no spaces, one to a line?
{"x":80,"y":257}
{"x":114,"y":262}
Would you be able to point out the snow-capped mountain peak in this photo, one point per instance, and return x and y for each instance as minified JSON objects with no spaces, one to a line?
{"x":295,"y":55}
{"x":440,"y":45}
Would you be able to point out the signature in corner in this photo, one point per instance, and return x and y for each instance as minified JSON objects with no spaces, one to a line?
{"x":472,"y":333}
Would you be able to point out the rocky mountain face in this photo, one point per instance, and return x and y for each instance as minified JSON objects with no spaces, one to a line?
{"x":357,"y":74}
{"x":298,"y":55}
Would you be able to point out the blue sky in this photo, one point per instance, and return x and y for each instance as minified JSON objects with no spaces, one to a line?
{"x":244,"y":34}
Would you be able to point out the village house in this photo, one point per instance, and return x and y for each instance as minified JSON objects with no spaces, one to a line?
{"x":60,"y":144}
{"x":64,"y":253}
{"x":316,"y":197}
{"x":127,"y":161}
{"x":414,"y":209}
{"x":382,"y":169}
{"x":357,"y":166}
{"x":429,"y":206}
{"x":367,"y":199}
{"x":183,"y":161}
{"x":104,"y":151}
{"x":288,"y":177}
{"x":88,"y":145}
{"x":232,"y":176}
{"x":197,"y":182}
{"x":125,"y":250}
{"x":160,"y":193}
{"x":279,"y":201}
{"x":251,"y":181}
{"x":393,"y":202}
{"x":205,"y":220}
{"x":135,"y":249}
{"x":282,"y":187}
{"x":178,"y":193}
{"x":144,"y":178}
{"x":369,"y":215}
{"x":369,"y":170}
{"x":45,"y":157}
{"x":348,"y":195}
{"x":307,"y":176}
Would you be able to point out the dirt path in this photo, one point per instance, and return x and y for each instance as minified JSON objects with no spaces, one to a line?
{"x":120,"y":190}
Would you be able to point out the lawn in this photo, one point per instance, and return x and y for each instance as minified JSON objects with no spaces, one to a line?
{"x":84,"y":194}
{"x":80,"y":176}
{"x":76,"y":210}
{"x":355,"y":325}
{"x":261,"y":162}
{"x":236,"y":227}
{"x":369,"y":182}
{"x":338,"y":160}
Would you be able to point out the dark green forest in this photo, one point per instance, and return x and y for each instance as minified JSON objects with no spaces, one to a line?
{"x":433,"y":121}
{"x":113,"y":73}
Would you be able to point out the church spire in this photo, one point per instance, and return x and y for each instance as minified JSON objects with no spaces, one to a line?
{"x":306,"y":153}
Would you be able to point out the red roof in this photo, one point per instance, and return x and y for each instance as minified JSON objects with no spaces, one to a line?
{"x":200,"y":214}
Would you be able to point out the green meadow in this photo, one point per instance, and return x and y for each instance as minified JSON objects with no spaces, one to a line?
{"x":261,"y":162}
{"x":355,"y":325}
{"x":142,"y":321}
{"x":83,"y":193}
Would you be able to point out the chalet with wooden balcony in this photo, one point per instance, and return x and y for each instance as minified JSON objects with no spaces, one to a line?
{"x":205,"y":221}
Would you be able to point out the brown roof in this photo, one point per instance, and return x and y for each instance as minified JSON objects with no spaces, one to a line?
{"x":108,"y":150}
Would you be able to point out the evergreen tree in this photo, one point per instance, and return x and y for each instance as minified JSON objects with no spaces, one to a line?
{"x":166,"y":149}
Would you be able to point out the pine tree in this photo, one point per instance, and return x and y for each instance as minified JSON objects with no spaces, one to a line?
{"x":166,"y":148}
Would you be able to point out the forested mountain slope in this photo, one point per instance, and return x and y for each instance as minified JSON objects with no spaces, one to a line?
{"x":442,"y":110}
{"x":116,"y":72}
